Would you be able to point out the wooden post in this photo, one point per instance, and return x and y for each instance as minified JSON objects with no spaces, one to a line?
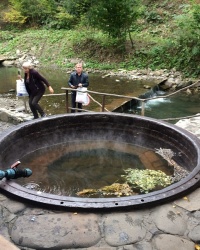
{"x":67,"y":104}
{"x":24,"y":100}
{"x":103,"y":103}
{"x":143,"y":108}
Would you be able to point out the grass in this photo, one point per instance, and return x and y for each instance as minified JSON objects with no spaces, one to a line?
{"x":151,"y":36}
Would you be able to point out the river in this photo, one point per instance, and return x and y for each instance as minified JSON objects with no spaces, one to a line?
{"x":179,"y":105}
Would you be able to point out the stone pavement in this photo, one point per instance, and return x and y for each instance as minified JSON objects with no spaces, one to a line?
{"x":171,"y":226}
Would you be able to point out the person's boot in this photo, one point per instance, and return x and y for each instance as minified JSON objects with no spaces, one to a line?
{"x":35,"y":115}
{"x":43,"y":115}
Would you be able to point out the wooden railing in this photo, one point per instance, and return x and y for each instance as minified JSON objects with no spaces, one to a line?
{"x":104,"y":95}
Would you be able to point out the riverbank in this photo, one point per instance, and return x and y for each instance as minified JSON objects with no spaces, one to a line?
{"x":170,"y":79}
{"x":12,"y":110}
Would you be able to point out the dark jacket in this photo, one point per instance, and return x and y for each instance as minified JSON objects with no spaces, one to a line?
{"x":75,"y":79}
{"x":36,"y":82}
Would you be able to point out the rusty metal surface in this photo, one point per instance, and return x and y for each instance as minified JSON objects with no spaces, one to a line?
{"x":142,"y":131}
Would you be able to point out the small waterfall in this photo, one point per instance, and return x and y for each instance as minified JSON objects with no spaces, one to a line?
{"x":133,"y":105}
{"x":153,"y":92}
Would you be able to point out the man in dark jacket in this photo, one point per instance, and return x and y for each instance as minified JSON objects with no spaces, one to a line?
{"x":78,"y":78}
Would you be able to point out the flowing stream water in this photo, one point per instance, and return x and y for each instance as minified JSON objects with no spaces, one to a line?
{"x":179,"y":105}
{"x":59,"y":79}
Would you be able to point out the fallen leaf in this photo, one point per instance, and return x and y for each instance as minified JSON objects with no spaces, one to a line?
{"x":197,"y":247}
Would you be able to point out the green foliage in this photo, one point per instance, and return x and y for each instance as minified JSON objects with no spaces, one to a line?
{"x":147,"y":180}
{"x":14,"y":16}
{"x":153,"y":17}
{"x":49,"y":13}
{"x":196,"y":14}
{"x":63,"y":20}
{"x":6,"y":36}
{"x":98,"y":32}
{"x":38,"y":39}
{"x":187,"y":36}
{"x":113,"y":17}
{"x":101,"y":66}
{"x":78,"y":8}
{"x":180,"y":50}
{"x":35,"y":13}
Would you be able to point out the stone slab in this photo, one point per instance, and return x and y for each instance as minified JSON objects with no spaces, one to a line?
{"x":56,"y":231}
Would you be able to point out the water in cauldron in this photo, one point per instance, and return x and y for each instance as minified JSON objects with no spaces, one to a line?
{"x":68,"y":168}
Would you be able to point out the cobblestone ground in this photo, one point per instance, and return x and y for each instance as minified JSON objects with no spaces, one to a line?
{"x":170,"y":226}
{"x":4,"y":126}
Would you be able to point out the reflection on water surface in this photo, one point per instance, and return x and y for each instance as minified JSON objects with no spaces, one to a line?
{"x":68,"y":168}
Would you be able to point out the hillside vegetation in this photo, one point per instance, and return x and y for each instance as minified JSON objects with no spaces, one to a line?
{"x":166,"y":34}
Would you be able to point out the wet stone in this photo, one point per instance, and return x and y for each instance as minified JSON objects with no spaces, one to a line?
{"x":37,"y":211}
{"x":95,"y":248}
{"x":57,"y":231}
{"x":10,"y":218}
{"x":170,"y":220}
{"x":4,"y":232}
{"x":124,"y":229}
{"x":191,"y":125}
{"x":192,"y":203}
{"x":171,"y":242}
{"x":196,"y":214}
{"x":7,"y":216}
{"x":139,"y":246}
{"x":194,"y":234}
{"x":2,"y":197}
{"x":14,"y":206}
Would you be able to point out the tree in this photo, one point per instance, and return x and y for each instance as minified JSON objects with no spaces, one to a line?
{"x":187,"y":37}
{"x":36,"y":12}
{"x":113,"y":16}
{"x":78,"y":8}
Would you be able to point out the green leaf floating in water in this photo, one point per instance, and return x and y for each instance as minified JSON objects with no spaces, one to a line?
{"x":147,"y":180}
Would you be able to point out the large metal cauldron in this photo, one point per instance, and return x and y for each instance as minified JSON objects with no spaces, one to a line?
{"x":137,"y":130}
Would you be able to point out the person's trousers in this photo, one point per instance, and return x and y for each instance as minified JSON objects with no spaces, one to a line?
{"x":73,"y":98}
{"x":34,"y":106}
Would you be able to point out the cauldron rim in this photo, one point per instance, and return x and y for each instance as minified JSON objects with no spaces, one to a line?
{"x":173,"y":191}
